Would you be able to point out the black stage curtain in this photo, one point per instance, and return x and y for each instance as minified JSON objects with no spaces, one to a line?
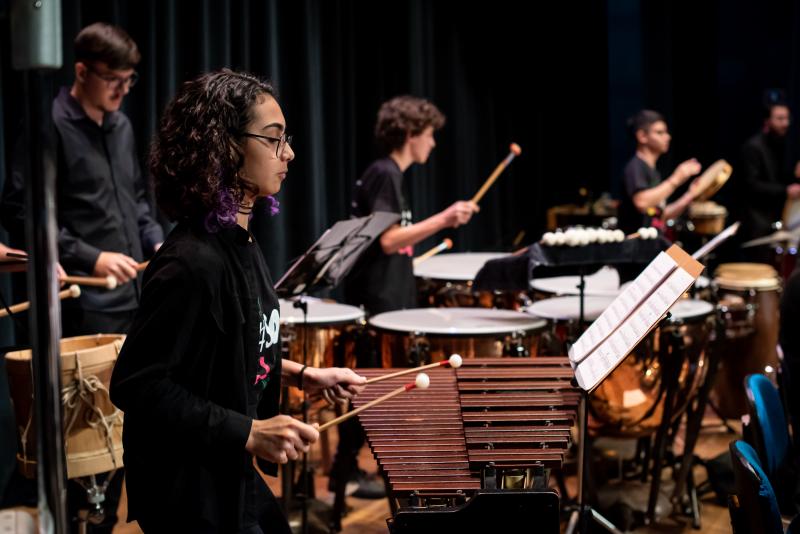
{"x":559,"y":78}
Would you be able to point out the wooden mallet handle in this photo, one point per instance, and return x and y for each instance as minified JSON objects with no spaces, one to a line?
{"x":420,"y":382}
{"x":515,"y":150}
{"x":454,"y":361}
{"x":446,"y":244}
{"x":72,"y":291}
{"x":109,"y":282}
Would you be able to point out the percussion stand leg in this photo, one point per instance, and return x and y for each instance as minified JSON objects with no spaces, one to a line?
{"x":579,"y":520}
{"x":671,"y":350}
{"x":716,"y":410}
{"x":95,"y":497}
{"x":306,"y":477}
{"x":694,"y":421}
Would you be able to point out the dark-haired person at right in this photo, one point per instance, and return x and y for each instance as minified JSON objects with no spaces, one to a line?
{"x":645,"y":195}
{"x":766,"y":180}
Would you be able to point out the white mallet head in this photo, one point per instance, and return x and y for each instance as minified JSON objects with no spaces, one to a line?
{"x":74,"y":291}
{"x":455,"y":361}
{"x":422,"y":381}
{"x":111,"y":282}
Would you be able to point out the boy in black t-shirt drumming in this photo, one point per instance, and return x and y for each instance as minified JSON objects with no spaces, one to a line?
{"x":645,"y":195}
{"x":383,"y":279}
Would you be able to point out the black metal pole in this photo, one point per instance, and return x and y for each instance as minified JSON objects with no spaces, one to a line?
{"x":36,"y":49}
{"x":45,"y":309}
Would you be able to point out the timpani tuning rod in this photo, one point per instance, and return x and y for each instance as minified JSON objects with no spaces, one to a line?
{"x":422,"y":381}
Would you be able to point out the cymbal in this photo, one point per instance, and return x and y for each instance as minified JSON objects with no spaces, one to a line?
{"x":713,"y":179}
{"x":781,"y":236}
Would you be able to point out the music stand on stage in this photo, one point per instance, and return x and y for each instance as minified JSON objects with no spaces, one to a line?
{"x":327,"y":262}
{"x":324,"y":266}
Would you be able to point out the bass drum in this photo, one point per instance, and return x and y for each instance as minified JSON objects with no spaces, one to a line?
{"x":630,"y":401}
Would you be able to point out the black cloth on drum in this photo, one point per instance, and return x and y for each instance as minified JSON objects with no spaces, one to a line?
{"x":637,"y":176}
{"x":515,"y":273}
{"x":101,"y":198}
{"x":201,"y":360}
{"x":763,"y":179}
{"x":381,"y":282}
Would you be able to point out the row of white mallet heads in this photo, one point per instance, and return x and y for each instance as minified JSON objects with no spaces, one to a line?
{"x":421,"y":381}
{"x":576,"y":237}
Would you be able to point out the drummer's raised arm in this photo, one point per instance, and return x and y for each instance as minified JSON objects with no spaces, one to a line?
{"x":398,"y":237}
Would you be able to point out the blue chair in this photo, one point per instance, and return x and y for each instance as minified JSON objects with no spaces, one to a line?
{"x":769,"y":423}
{"x":770,"y":432}
{"x":754,"y":508}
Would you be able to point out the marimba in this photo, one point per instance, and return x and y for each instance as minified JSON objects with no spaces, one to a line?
{"x":477,"y":446}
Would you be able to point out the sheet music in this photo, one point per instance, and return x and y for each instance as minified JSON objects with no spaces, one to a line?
{"x":634,"y":327}
{"x":625,"y":304}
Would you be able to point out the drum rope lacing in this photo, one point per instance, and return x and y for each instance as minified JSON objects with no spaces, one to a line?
{"x":82,"y":390}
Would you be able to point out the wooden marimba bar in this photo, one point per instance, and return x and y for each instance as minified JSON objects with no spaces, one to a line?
{"x":493,"y":424}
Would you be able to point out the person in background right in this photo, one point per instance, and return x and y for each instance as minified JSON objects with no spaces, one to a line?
{"x":765,"y":176}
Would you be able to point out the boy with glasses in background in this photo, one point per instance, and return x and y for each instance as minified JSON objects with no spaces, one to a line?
{"x":105,"y":223}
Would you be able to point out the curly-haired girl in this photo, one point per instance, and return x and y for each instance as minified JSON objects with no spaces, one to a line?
{"x":199,"y":375}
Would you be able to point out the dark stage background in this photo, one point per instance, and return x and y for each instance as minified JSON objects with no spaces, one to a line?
{"x":559,"y":78}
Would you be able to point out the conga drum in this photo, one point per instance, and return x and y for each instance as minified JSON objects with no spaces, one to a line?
{"x":92,"y":424}
{"x":409,"y":338}
{"x":707,"y":217}
{"x":749,"y":296}
{"x":445,"y":280}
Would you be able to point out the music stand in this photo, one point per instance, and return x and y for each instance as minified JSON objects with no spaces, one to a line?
{"x":323,"y":266}
{"x":330,"y":259}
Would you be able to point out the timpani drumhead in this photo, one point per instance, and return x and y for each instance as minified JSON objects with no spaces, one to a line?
{"x":456,"y":321}
{"x":702,"y":282}
{"x":319,"y":312}
{"x":458,"y":266}
{"x":687,"y":310}
{"x":603,"y":283}
{"x":568,"y":308}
